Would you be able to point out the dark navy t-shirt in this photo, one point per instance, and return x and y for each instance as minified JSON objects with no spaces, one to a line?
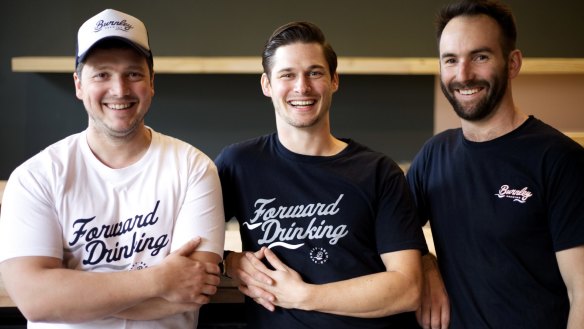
{"x":329,"y":218}
{"x":499,"y":211}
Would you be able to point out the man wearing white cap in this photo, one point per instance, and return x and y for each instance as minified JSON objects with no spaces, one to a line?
{"x":118,"y":225}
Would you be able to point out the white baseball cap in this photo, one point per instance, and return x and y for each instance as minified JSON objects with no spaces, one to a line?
{"x":111,"y":23}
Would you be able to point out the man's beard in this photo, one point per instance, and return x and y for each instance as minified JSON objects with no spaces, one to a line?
{"x":485,"y":106}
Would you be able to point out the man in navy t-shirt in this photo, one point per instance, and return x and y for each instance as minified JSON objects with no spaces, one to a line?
{"x":328,"y":227}
{"x":504,"y":193}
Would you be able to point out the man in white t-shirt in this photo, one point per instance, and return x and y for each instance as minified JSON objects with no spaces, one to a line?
{"x":118,"y":225}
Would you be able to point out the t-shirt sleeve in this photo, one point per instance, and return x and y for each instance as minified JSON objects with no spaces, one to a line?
{"x":397,"y":223}
{"x":28,"y":221}
{"x":566,"y":199}
{"x":226,"y":176}
{"x":201,"y":214}
{"x":415,"y":181}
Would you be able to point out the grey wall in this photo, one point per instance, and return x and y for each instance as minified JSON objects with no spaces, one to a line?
{"x":393,"y":114}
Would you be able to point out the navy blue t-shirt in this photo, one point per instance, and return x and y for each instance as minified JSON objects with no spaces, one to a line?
{"x":499,"y":211}
{"x":329,"y":218}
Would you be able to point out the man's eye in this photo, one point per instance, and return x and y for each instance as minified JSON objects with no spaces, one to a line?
{"x":101,"y":75}
{"x":135,"y":75}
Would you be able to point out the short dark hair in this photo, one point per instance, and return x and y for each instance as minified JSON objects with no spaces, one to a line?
{"x":498,"y":11}
{"x":297,"y":32}
{"x":113,"y":43}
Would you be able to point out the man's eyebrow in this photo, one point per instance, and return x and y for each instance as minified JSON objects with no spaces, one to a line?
{"x":311,"y":67}
{"x":447,"y":55}
{"x":285,"y":69}
{"x":482,"y":50}
{"x":472,"y":52}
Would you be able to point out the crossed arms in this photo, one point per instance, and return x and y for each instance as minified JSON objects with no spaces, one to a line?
{"x":46,"y":291}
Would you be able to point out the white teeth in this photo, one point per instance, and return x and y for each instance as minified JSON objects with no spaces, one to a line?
{"x":118,"y":106}
{"x":469,"y":91}
{"x":301,"y":103}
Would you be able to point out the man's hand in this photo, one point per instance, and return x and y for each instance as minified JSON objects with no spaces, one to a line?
{"x":286,"y":284}
{"x":159,"y":307}
{"x":251,"y":277}
{"x":434,"y":313}
{"x":184,"y":280}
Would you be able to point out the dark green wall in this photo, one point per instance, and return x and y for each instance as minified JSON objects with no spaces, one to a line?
{"x":393,"y":114}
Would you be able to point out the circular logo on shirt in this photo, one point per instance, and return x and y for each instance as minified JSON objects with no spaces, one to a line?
{"x":318,"y":255}
{"x":138,"y":266}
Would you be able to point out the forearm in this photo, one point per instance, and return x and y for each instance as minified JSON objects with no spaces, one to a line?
{"x":156,"y":308}
{"x":571,"y":264}
{"x":46,"y":292}
{"x":396,"y":290}
{"x":375,"y":295}
{"x":69,"y":296}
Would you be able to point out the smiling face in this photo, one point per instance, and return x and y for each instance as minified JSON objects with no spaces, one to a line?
{"x":474,"y":74}
{"x":300,"y":85}
{"x":116,"y":89}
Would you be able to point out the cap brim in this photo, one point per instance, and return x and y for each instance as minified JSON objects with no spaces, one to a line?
{"x":147,"y":53}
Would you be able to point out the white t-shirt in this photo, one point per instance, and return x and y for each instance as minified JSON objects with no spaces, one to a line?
{"x":65,"y":203}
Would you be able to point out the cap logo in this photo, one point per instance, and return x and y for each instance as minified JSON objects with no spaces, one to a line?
{"x":118,"y":25}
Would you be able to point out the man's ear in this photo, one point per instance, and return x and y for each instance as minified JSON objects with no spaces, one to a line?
{"x":266,"y":87}
{"x":335,"y":82}
{"x":77,"y":82}
{"x":515,"y":61}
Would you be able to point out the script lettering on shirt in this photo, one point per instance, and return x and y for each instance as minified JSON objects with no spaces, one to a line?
{"x":278,"y":231}
{"x":94,"y":238}
{"x":517,"y":195}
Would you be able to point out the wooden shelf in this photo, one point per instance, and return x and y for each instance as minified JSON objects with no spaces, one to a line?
{"x":252,"y":65}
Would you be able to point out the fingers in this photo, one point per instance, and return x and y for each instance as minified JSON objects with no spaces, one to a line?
{"x":275,"y":261}
{"x":259,"y":296}
{"x":212,"y":268}
{"x":420,"y":318}
{"x":423,"y":315}
{"x":201,"y":299}
{"x":435,"y":319}
{"x":445,"y":316}
{"x":257,"y":271}
{"x":255,"y":278}
{"x":433,"y":316}
{"x":186,"y":280}
{"x":212,"y":279}
{"x":201,"y":292}
{"x":257,"y":292}
{"x":428,"y":314}
{"x":209,"y":290}
{"x":267,"y":305}
{"x":260,"y":253}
